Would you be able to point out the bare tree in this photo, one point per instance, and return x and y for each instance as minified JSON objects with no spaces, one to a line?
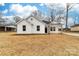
{"x":17,"y":18}
{"x":75,"y":20}
{"x":52,"y":15}
{"x":69,"y":6}
{"x":2,"y":20}
{"x":56,"y":12}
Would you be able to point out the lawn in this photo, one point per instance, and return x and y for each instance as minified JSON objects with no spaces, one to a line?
{"x":38,"y":45}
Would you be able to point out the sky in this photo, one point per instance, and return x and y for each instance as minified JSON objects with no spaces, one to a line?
{"x":10,"y":9}
{"x":40,"y":1}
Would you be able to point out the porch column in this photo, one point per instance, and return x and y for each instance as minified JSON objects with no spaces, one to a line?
{"x":56,"y":29}
{"x":61,"y":28}
{"x":5,"y":29}
{"x":48,"y":29}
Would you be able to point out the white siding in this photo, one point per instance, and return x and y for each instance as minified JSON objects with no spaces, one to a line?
{"x":56,"y":29}
{"x":31,"y":28}
{"x":20,"y":29}
{"x":35,"y":22}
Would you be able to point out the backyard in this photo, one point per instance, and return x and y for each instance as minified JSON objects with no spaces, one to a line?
{"x":38,"y":45}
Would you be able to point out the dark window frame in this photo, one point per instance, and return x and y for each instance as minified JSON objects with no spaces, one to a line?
{"x":38,"y":27}
{"x":24,"y":27}
{"x":52,"y":29}
{"x":59,"y":29}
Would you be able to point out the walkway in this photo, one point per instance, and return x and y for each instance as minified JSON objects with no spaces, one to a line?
{"x":73,"y":34}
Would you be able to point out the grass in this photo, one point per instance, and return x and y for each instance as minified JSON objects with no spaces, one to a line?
{"x":38,"y":45}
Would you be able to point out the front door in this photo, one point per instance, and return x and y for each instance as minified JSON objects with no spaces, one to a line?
{"x":45,"y":29}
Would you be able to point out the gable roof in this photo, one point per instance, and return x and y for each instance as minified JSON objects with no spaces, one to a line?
{"x":42,"y":21}
{"x":29,"y":17}
{"x":21,"y":21}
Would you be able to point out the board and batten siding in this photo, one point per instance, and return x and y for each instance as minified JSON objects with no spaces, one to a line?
{"x":31,"y":28}
{"x":20,"y":28}
{"x":57,"y":27}
{"x":36,"y":23}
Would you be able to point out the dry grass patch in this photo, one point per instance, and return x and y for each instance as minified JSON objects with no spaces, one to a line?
{"x":53,"y":44}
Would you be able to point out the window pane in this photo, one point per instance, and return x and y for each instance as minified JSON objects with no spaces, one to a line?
{"x":24,"y":27}
{"x":38,"y":28}
{"x":59,"y":29}
{"x":52,"y":29}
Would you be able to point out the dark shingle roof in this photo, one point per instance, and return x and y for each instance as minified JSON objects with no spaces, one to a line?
{"x":75,"y":25}
{"x":47,"y":22}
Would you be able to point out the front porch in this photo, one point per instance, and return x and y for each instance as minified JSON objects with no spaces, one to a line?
{"x":4,"y":28}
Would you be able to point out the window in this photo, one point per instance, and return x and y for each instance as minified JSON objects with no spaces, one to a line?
{"x":24,"y":27}
{"x":59,"y":29}
{"x":38,"y":28}
{"x":52,"y":29}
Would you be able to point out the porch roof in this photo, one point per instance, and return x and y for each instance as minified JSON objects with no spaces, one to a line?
{"x":75,"y":25}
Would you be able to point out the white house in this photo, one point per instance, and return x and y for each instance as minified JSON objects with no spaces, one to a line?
{"x":55,"y":27}
{"x":30,"y":25}
{"x":33,"y":25}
